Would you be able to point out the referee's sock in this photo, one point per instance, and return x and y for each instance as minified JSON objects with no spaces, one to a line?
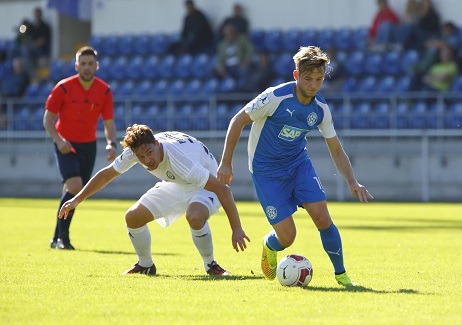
{"x":62,"y":225}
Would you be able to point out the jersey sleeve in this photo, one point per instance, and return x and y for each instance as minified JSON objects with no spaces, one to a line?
{"x":55,"y":99}
{"x":261,"y":106}
{"x":326,"y":127}
{"x":124,"y":161}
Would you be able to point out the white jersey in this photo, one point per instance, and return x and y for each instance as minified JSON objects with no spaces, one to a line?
{"x":186,"y":160}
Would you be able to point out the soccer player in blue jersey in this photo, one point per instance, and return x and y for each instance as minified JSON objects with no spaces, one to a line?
{"x":282,"y":172}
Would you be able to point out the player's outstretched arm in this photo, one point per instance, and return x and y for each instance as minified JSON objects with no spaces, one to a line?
{"x":227,"y":202}
{"x":225,"y":170}
{"x":342,"y":162}
{"x":96,"y":183}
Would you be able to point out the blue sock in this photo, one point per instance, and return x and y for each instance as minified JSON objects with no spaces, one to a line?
{"x":332,"y":244}
{"x":272,"y":242}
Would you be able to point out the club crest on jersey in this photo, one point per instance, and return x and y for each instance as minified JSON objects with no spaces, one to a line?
{"x":170,"y":175}
{"x":271,"y":212}
{"x":260,"y":102}
{"x":290,"y":133}
{"x":312,"y":118}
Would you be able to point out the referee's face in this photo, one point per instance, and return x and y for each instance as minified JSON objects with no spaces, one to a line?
{"x":86,"y":67}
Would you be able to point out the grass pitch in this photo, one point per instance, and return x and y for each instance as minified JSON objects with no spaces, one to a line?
{"x":407,"y":258}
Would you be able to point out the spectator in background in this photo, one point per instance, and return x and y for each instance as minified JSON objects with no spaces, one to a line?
{"x":234,"y":55}
{"x":261,"y":74}
{"x":71,"y":117}
{"x":382,"y":30}
{"x":196,"y":33}
{"x":37,"y":45}
{"x":237,"y":19}
{"x":15,"y":84}
{"x":441,"y":75}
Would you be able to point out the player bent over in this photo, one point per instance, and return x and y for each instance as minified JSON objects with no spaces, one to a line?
{"x":187,"y":169}
{"x":282,"y":172}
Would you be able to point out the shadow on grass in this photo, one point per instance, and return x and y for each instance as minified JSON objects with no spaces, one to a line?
{"x":212,"y":278}
{"x":360,"y":289}
{"x":116,"y":252}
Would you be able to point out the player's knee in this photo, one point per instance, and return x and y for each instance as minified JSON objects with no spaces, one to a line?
{"x":132,"y":219}
{"x":195,"y":220}
{"x":287,"y":238}
{"x":73,"y":185}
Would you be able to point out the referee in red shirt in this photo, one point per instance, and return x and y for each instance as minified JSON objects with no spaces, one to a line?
{"x":78,"y":102}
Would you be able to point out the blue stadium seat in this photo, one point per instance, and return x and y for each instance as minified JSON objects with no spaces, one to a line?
{"x":143,"y":88}
{"x":374,"y":63}
{"x":309,"y":37}
{"x":359,"y":118}
{"x":457,"y":84}
{"x":257,"y":37}
{"x":355,"y":66}
{"x":343,"y":39}
{"x":155,"y":116}
{"x":227,"y":85}
{"x":386,"y":84}
{"x":117,"y":70}
{"x":201,"y":119}
{"x":392,"y":63}
{"x":32,"y":90}
{"x":69,"y":68}
{"x":453,"y":116}
{"x":279,"y":80}
{"x":403,"y":84}
{"x":115,"y":85}
{"x":284,"y":65}
{"x":177,"y":87}
{"x":202,"y":66}
{"x":104,"y":71}
{"x":141,"y":44}
{"x":134,"y":70}
{"x":119,"y":116}
{"x":21,"y":118}
{"x":360,"y":38}
{"x":210,"y":86}
{"x":109,"y":45}
{"x":193,"y":86}
{"x":402,"y":115}
{"x":222,"y":116}
{"x":127,"y":87}
{"x":56,"y":70}
{"x":339,"y":115}
{"x":160,"y":87}
{"x":273,"y":40}
{"x":158,"y":44}
{"x":125,"y":44}
{"x":350,"y":85}
{"x":36,"y":119}
{"x":166,"y":66}
{"x":183,"y":113}
{"x":96,"y":41}
{"x":367,"y":84}
{"x":326,"y":38}
{"x":409,"y":58}
{"x":45,"y":89}
{"x":380,"y":115}
{"x":183,"y":66}
{"x":150,"y":67}
{"x":418,"y":115}
{"x":291,"y":40}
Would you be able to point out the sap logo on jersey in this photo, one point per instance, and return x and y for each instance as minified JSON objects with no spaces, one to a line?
{"x":290,"y":133}
{"x":260,"y":102}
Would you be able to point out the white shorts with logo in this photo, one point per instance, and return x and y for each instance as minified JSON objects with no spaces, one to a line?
{"x":168,"y":201}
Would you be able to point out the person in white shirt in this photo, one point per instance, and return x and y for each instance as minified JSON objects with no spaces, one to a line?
{"x":187,"y":170}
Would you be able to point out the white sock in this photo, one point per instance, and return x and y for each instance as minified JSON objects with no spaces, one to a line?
{"x":141,"y":241}
{"x":203,"y":241}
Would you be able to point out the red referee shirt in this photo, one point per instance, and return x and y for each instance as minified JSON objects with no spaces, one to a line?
{"x":79,"y":109}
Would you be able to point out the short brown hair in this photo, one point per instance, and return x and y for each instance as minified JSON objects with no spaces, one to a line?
{"x":137,"y":135}
{"x":309,"y":58}
{"x":86,"y":50}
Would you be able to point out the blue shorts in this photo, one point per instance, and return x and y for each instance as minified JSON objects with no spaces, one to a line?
{"x":281,"y":196}
{"x":79,"y":164}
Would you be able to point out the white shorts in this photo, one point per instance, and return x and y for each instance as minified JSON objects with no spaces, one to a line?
{"x":168,"y":201}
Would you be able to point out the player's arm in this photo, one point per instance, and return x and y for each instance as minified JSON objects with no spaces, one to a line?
{"x":63,"y":145}
{"x":225,"y":196}
{"x":110,"y":134}
{"x":342,"y":162}
{"x":225,"y":170}
{"x":96,"y":183}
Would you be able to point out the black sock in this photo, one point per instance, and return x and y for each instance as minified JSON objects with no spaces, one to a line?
{"x":62,"y":226}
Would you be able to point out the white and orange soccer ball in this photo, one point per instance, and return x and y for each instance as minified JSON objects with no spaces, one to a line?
{"x":294,"y":270}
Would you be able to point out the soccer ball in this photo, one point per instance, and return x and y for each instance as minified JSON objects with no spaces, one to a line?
{"x":294,"y":270}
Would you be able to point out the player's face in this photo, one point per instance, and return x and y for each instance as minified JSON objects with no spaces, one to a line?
{"x":308,"y":84}
{"x":150,"y":155}
{"x":86,"y":67}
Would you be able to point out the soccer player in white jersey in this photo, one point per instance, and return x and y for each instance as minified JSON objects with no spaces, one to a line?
{"x":282,"y":172}
{"x":189,"y":185}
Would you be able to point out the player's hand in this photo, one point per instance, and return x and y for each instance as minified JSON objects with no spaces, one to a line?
{"x":111,"y":152}
{"x":67,"y":206}
{"x":225,"y":174}
{"x":360,"y":192}
{"x":65,"y":147}
{"x":238,"y":239}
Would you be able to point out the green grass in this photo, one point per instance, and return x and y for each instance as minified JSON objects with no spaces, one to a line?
{"x":407,"y":257}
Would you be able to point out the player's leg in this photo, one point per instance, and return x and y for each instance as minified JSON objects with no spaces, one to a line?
{"x":197,"y":215}
{"x":136,"y":219}
{"x":330,"y":238}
